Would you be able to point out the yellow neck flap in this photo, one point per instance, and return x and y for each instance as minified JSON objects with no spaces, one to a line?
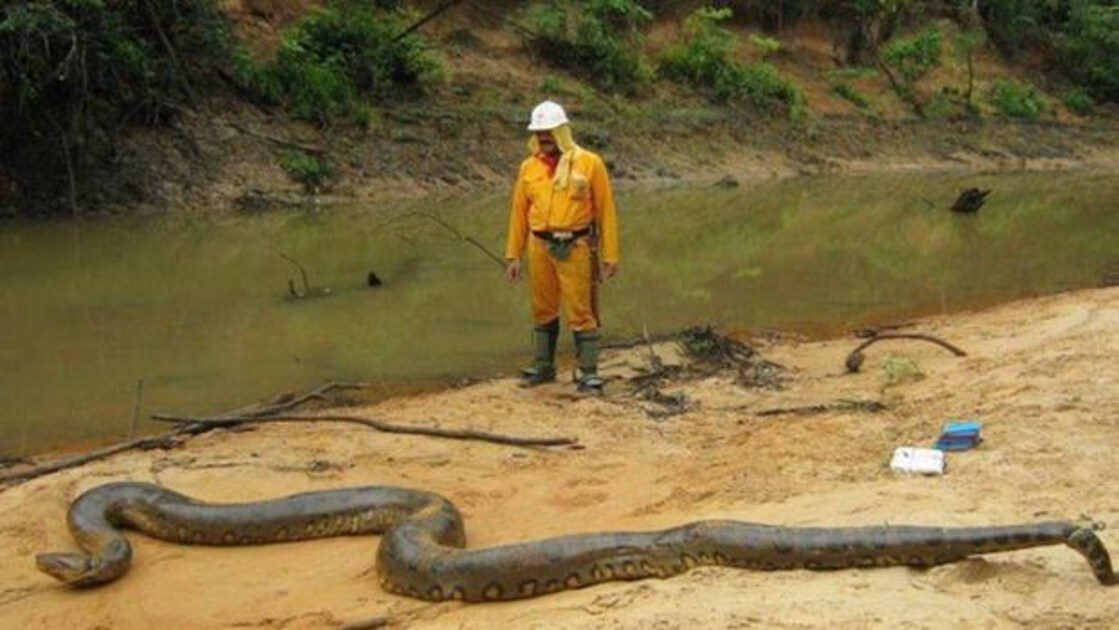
{"x":567,"y":148}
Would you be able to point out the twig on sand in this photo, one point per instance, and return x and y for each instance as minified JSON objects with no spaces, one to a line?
{"x":655,"y":361}
{"x":379,"y":425}
{"x":871,"y":406}
{"x":855,"y":359}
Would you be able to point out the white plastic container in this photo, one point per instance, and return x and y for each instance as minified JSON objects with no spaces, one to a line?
{"x":921,"y":461}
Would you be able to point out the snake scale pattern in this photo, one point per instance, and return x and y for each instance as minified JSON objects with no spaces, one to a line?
{"x":423,"y":550}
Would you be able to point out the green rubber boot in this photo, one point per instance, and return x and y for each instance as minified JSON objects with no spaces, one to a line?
{"x":543,"y":368}
{"x":586,"y":353}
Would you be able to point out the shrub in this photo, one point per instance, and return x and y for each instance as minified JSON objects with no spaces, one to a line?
{"x":1088,"y":49}
{"x":1017,"y":100}
{"x":600,"y":38}
{"x":915,"y":56}
{"x":703,"y":60}
{"x":1079,"y":101}
{"x":336,"y":54}
{"x":1081,"y":39}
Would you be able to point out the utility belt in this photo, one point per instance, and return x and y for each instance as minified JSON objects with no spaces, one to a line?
{"x":561,"y":243}
{"x":561,"y":237}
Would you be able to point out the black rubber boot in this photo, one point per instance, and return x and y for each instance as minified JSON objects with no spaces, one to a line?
{"x":586,"y":352}
{"x":543,"y":368}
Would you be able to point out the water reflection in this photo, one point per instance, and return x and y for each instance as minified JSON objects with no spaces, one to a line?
{"x":200,"y":309}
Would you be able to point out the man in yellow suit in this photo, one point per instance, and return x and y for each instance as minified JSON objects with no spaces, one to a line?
{"x":563,"y":214}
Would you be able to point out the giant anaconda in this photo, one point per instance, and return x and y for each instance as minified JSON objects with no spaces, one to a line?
{"x":423,"y":551}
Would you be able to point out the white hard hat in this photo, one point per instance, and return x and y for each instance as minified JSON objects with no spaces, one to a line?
{"x":547,"y":116}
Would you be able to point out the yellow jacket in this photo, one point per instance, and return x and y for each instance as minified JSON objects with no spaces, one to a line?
{"x":539,"y":206}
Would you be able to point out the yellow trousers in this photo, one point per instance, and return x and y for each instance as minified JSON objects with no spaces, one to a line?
{"x":562,"y":282}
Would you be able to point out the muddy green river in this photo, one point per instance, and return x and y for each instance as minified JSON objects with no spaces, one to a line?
{"x":200,"y":311}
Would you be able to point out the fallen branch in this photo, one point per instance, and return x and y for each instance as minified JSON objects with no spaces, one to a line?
{"x":505,"y":20}
{"x":290,"y":401}
{"x":655,"y":362}
{"x":258,"y":414}
{"x":165,"y":440}
{"x":449,"y":228}
{"x":379,"y":425}
{"x":855,"y":359}
{"x":169,"y":439}
{"x":302,"y":272}
{"x":424,"y":20}
{"x":871,"y":406}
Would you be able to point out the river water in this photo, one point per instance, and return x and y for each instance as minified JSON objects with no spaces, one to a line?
{"x":199,"y":310}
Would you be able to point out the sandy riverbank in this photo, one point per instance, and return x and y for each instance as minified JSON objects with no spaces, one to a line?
{"x":1040,"y":374}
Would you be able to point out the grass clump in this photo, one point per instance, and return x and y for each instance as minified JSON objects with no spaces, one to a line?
{"x":313,"y":171}
{"x":901,"y":369}
{"x":850,"y":94}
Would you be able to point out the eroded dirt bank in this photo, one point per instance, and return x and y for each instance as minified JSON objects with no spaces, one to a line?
{"x":1040,"y":375}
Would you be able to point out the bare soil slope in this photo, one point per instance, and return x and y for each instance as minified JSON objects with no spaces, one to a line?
{"x":1040,"y":374}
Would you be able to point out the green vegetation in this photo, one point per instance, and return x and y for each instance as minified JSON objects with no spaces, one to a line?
{"x":1079,"y":101}
{"x":1082,"y":35}
{"x":703,"y":59}
{"x":76,"y":74}
{"x":78,"y":78}
{"x":1017,"y":100}
{"x":915,"y":56}
{"x":850,"y":94}
{"x":1088,"y":48}
{"x":900,"y":369}
{"x":767,"y":45}
{"x":340,"y":54}
{"x":600,"y":40}
{"x":313,"y":171}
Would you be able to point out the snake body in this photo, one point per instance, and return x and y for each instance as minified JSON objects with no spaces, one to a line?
{"x":423,"y":550}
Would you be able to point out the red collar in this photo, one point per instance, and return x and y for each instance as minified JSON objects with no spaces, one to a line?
{"x":550,"y":160}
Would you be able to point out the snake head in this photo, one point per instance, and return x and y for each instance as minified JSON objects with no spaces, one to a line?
{"x":108,"y":560}
{"x":71,"y":568}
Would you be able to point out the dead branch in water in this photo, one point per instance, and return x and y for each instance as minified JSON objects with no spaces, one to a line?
{"x":855,"y":359}
{"x":302,"y":272}
{"x":379,"y":425}
{"x":447,"y":226}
